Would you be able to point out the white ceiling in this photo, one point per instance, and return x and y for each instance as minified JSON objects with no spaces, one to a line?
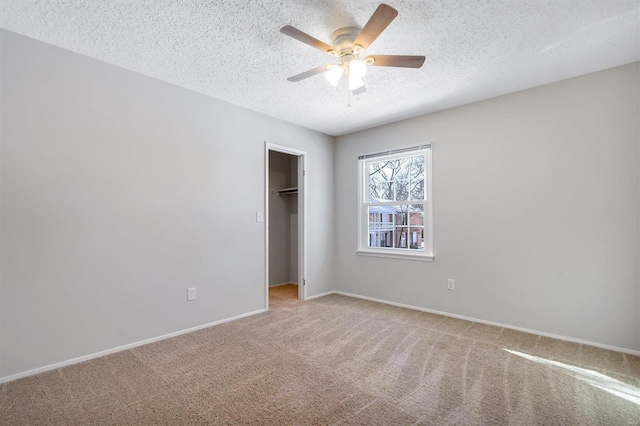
{"x":233,"y":50}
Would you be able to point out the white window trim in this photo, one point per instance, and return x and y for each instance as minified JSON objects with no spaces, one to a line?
{"x":363,"y":248}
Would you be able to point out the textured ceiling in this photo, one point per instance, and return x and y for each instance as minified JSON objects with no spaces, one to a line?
{"x":233,"y":50}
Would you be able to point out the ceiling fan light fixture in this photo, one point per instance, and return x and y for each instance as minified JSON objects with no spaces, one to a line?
{"x":357,"y":68}
{"x":355,"y":82}
{"x":333,"y":74}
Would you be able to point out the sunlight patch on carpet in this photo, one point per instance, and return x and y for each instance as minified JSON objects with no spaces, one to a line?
{"x":593,"y":378}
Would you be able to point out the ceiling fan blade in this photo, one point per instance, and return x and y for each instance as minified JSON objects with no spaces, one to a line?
{"x":380,"y":19}
{"x":305,"y":38}
{"x":396,"y":61}
{"x":309,"y":73}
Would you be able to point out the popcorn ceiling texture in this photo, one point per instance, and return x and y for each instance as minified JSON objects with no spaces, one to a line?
{"x":233,"y":50}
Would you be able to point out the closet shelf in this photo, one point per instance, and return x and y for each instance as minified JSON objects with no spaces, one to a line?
{"x":287,"y":191}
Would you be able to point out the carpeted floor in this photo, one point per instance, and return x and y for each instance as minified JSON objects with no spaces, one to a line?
{"x":338,"y":360}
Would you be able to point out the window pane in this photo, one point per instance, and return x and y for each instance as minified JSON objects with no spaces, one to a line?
{"x":416,"y":188}
{"x":398,"y":179}
{"x":387,"y":239}
{"x":400,"y":168}
{"x":402,"y":190}
{"x":380,"y":181}
{"x":416,"y":215}
{"x":374,"y":239}
{"x":380,"y":226}
{"x":381,"y":217}
{"x":401,"y":237}
{"x":416,"y":240}
{"x":402,"y":216}
{"x":416,"y":226}
{"x":380,"y":190}
{"x":417,"y":168}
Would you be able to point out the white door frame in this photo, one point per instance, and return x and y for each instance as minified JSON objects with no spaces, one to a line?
{"x":302,"y":222}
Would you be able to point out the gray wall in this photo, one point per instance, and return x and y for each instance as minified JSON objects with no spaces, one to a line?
{"x":536,"y":215}
{"x":118,"y":192}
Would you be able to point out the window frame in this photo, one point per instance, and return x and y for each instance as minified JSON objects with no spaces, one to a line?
{"x":363,"y":248}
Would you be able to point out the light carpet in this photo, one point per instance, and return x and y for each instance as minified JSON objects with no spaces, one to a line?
{"x":338,"y":360}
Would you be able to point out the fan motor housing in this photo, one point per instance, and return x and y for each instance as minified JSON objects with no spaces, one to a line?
{"x":342,"y":40}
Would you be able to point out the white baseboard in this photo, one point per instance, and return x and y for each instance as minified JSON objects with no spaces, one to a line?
{"x":526,"y":330}
{"x":121,"y":348}
{"x":278,"y":285}
{"x":322,"y":294}
{"x":259,"y":311}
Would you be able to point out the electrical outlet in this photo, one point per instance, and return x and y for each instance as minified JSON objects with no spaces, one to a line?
{"x":451,"y":284}
{"x":191,"y":294}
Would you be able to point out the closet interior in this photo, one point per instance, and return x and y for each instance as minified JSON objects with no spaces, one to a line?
{"x":283,"y":223}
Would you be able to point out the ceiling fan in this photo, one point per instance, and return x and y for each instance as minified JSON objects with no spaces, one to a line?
{"x":347,"y":44}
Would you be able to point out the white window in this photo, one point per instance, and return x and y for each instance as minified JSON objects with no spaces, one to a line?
{"x":395,"y":204}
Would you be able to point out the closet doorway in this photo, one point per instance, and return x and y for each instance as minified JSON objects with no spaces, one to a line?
{"x":285,"y":207}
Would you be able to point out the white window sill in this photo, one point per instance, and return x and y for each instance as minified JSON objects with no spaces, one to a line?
{"x":396,"y":255}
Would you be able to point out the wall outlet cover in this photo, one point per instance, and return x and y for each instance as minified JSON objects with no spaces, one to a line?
{"x":191,"y":293}
{"x":451,"y":284}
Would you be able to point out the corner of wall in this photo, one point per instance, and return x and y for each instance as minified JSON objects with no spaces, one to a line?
{"x":334,"y":219}
{"x":2,"y":97}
